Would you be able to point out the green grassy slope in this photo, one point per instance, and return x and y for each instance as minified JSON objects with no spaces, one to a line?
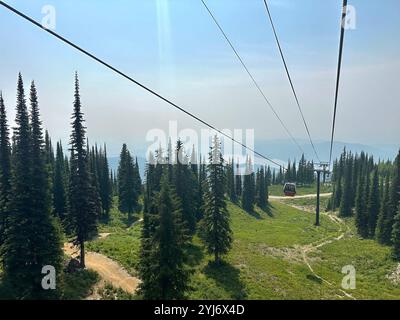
{"x":270,"y":258}
{"x":265,"y":261}
{"x":267,"y":258}
{"x":123,"y":242}
{"x":372,"y":262}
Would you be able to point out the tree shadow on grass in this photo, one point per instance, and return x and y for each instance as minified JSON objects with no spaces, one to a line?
{"x":228,"y":277}
{"x":255,"y":214}
{"x":78,"y":285}
{"x":129,"y":219}
{"x":194,"y":254}
{"x":268,"y":209}
{"x":104,"y":219}
{"x":314,"y":278}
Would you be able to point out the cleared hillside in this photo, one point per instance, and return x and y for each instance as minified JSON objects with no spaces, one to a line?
{"x":278,"y":254}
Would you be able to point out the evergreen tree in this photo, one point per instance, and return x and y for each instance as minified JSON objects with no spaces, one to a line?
{"x":183,"y":180}
{"x":149,"y":183}
{"x":293,"y":174}
{"x":201,"y":183}
{"x":395,"y":188}
{"x":257,"y":185}
{"x":338,"y":173}
{"x":82,"y":216}
{"x":268,"y":176}
{"x":230,"y":175}
{"x":238,"y":181}
{"x":48,"y":250}
{"x":261,"y":189}
{"x":126,"y":182}
{"x":361,"y":208}
{"x":105,"y":182}
{"x":288,"y":173}
{"x":94,"y":178}
{"x":5,"y":169}
{"x":396,"y":235}
{"x":392,"y":219}
{"x":194,"y":163}
{"x":162,"y":269}
{"x":32,"y":236}
{"x":383,"y":229}
{"x":59,"y":184}
{"x":216,"y":225}
{"x":112,"y":183}
{"x":354,"y":180}
{"x":373,"y":204}
{"x":49,"y":152}
{"x":337,"y":194}
{"x":197,"y":188}
{"x":137,"y":181}
{"x":248,"y":194}
{"x":345,"y":205}
{"x":267,"y":184}
{"x":302,"y":170}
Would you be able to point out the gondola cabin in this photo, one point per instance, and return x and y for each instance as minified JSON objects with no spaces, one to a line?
{"x":289,"y":189}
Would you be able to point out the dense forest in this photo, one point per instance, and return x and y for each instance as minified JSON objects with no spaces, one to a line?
{"x":47,"y":196}
{"x":369,"y":191}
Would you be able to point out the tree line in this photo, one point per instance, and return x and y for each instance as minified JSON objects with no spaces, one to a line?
{"x":45,"y":194}
{"x":369,"y":191}
{"x":180,"y":198}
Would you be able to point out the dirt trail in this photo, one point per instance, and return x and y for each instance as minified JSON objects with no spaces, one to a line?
{"x":305,"y":196}
{"x":312,"y":247}
{"x":109,"y":270}
{"x":315,"y":246}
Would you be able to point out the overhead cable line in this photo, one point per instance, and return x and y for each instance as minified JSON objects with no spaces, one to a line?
{"x":251,"y":77}
{"x":341,"y":42}
{"x":92,"y":56}
{"x":290,"y":79}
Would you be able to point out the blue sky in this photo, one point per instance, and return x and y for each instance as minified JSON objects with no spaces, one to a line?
{"x":174,"y":47}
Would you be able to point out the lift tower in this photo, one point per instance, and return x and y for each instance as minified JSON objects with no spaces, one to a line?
{"x":321,"y":168}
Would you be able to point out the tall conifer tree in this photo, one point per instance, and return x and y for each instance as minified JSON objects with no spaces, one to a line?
{"x":59,"y":184}
{"x":5,"y":169}
{"x":373,"y":204}
{"x":32,"y":236}
{"x":383,"y":229}
{"x":162,"y":269}
{"x":126,"y":182}
{"x":217,"y":231}
{"x":82,"y":216}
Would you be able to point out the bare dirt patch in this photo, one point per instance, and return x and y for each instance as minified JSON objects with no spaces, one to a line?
{"x":394,"y":276}
{"x":109,"y":270}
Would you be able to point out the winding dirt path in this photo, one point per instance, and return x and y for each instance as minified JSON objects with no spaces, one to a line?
{"x":312,"y":247}
{"x":109,"y":270}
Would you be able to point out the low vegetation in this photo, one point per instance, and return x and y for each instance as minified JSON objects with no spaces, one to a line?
{"x":266,"y":260}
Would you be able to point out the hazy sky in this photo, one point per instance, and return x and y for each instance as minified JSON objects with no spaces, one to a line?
{"x":174,"y":48}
